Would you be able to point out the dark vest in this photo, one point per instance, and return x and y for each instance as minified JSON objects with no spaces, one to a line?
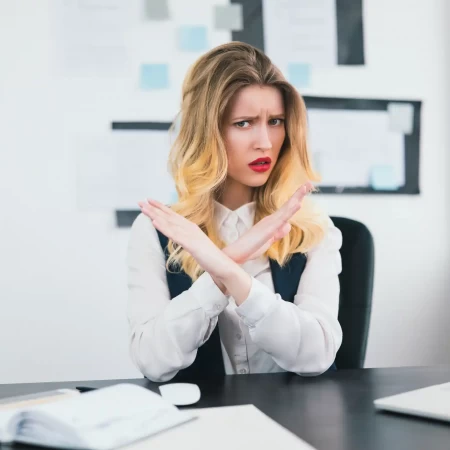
{"x":209,"y":359}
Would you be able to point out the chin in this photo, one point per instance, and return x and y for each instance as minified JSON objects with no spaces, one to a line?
{"x":257,"y":181}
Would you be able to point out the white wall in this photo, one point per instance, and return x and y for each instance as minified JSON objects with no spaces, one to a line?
{"x":62,"y":271}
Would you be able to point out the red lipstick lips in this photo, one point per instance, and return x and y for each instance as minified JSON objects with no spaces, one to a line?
{"x":260,"y":164}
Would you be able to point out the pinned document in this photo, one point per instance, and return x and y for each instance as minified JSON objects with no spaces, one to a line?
{"x":157,"y":9}
{"x":102,"y":4}
{"x":228,"y":17}
{"x":193,"y":38}
{"x":303,"y":31}
{"x":115,"y":169}
{"x":401,"y":117}
{"x":383,"y":178}
{"x":91,"y":37}
{"x":154,"y":76}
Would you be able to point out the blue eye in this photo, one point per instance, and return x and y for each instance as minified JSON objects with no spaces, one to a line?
{"x":277,"y":121}
{"x":242,"y":124}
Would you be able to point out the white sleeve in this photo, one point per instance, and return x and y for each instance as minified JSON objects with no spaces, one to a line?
{"x":165,"y":334}
{"x":303,"y":336}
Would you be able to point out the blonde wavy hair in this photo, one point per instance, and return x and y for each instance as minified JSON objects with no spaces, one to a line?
{"x":198,"y":159}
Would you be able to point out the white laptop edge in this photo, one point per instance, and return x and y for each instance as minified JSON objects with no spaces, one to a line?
{"x":431,"y":402}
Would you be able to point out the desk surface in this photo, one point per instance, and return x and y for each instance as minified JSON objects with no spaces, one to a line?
{"x":331,"y":412}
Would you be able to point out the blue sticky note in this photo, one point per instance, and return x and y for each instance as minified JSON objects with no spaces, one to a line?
{"x":299,"y":74}
{"x":154,"y":76}
{"x":382,"y":178}
{"x":193,"y":39}
{"x":173,"y":197}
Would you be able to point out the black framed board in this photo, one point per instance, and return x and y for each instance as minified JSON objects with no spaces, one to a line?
{"x":411,"y":184}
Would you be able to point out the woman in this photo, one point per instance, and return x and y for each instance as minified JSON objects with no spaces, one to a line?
{"x":242,"y":248}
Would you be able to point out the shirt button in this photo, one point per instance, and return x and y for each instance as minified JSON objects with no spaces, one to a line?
{"x":238,"y":337}
{"x":217,"y":307}
{"x":243,"y":371}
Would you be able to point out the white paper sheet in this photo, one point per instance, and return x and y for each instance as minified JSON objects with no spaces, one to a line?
{"x":346,"y":145}
{"x":142,"y":167}
{"x":90,"y":36}
{"x":300,"y":32}
{"x":226,"y":428}
{"x":117,"y":170}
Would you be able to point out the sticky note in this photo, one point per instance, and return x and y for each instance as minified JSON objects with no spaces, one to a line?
{"x":156,"y":9}
{"x":299,"y":74}
{"x":228,"y":17}
{"x":401,"y":117}
{"x":193,"y":38}
{"x":173,"y":197}
{"x":154,"y":76}
{"x":382,"y":178}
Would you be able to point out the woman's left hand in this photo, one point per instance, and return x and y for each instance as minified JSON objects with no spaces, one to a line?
{"x":256,"y":241}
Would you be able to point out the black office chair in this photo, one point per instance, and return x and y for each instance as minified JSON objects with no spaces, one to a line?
{"x":355,"y":302}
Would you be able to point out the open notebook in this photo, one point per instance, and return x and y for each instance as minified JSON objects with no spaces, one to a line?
{"x":103,"y":419}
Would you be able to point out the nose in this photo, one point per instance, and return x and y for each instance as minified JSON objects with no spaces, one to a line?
{"x":263,"y":139}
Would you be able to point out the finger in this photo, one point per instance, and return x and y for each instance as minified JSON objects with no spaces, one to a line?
{"x":285,"y":213}
{"x":282,"y":232}
{"x":145,"y":209}
{"x":170,"y":228}
{"x":303,"y":191}
{"x":292,"y":205}
{"x":160,"y":206}
{"x":295,"y":202}
{"x":168,"y":212}
{"x":165,"y":227}
{"x":150,"y":211}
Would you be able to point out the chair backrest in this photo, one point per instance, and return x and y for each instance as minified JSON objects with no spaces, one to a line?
{"x":355,"y":302}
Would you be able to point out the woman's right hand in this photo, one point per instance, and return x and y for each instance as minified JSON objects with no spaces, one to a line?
{"x":256,"y":241}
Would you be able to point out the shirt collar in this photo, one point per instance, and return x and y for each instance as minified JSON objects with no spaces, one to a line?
{"x":246,"y":213}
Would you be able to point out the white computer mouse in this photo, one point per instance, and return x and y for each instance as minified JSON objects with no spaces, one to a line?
{"x":180,"y":394}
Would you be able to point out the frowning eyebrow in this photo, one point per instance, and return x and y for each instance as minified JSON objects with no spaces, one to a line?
{"x":272,"y":116}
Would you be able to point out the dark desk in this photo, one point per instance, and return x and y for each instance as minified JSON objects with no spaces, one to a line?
{"x":331,"y":412}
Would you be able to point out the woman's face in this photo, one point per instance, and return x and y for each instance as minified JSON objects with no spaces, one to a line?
{"x":254,"y":133}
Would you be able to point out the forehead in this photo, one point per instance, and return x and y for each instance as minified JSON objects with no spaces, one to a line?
{"x":251,"y":100}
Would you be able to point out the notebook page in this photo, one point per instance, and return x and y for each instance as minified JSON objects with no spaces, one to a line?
{"x":102,"y":406}
{"x":103,"y":419}
{"x":10,"y":406}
